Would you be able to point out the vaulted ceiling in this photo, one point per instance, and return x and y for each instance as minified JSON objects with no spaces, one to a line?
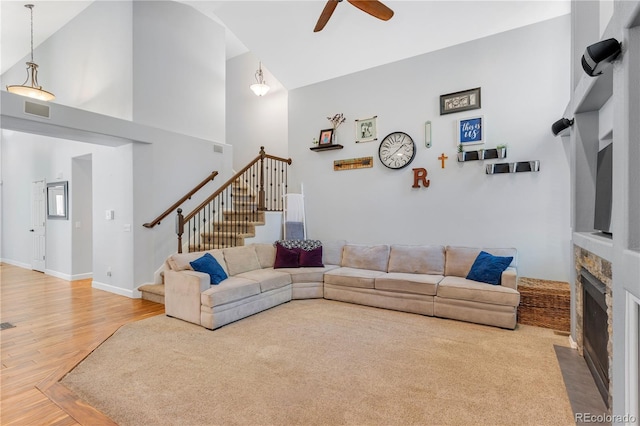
{"x":280,"y":33}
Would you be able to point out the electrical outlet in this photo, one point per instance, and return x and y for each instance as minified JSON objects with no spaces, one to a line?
{"x":109,"y":271}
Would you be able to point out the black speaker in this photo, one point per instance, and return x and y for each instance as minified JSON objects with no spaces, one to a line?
{"x":560,"y":125}
{"x":598,"y":56}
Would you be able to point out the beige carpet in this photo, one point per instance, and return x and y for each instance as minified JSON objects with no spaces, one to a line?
{"x":325,"y":362}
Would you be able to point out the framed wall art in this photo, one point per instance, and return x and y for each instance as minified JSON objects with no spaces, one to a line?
{"x":326,"y":137}
{"x":367,"y":130}
{"x":460,"y":101}
{"x":58,"y":200}
{"x":471,"y":131}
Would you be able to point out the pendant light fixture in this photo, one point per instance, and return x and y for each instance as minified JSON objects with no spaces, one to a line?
{"x":260,"y":88}
{"x":32,"y":90}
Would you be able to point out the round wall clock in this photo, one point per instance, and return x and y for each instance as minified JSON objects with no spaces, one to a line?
{"x":397,"y":150}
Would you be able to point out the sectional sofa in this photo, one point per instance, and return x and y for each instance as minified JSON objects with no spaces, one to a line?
{"x":426,"y":279}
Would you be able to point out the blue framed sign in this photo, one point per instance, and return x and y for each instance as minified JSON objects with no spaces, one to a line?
{"x":471,"y":131}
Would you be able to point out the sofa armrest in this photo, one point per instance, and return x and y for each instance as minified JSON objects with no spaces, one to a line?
{"x":509,"y":278}
{"x":182,"y":294}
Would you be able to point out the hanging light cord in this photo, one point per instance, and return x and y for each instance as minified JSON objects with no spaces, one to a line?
{"x":30,"y":6}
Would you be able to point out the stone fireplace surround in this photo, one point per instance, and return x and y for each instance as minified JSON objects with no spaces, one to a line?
{"x":601,"y":269}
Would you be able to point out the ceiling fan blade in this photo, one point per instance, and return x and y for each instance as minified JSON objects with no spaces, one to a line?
{"x":373,"y":8}
{"x":326,"y":14}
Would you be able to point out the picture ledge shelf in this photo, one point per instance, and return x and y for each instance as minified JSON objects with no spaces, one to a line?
{"x":520,"y":166}
{"x":483,"y":154}
{"x":326,"y":147}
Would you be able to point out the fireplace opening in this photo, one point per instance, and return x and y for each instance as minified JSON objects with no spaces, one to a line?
{"x":596,"y":331}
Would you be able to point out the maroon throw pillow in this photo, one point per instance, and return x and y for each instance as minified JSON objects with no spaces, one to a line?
{"x":311,"y":258}
{"x":286,"y":258}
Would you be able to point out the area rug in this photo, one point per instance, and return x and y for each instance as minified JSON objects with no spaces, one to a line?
{"x":311,"y":362}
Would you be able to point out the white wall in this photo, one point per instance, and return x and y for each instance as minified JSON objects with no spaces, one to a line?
{"x":254,"y":121}
{"x":162,"y":173}
{"x":27,"y":158}
{"x":82,"y":213}
{"x":524,"y":76}
{"x":126,"y":44}
{"x":88,"y":63}
{"x":179,"y":70}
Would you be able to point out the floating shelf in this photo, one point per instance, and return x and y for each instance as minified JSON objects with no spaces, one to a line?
{"x":483,"y":154}
{"x":326,"y":147}
{"x":520,"y":166}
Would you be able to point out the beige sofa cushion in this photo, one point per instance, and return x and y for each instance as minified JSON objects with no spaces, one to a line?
{"x":460,"y":259}
{"x":408,"y":283}
{"x":332,"y":251}
{"x":463,"y":289}
{"x":425,"y":259}
{"x":371,"y":257}
{"x":229,"y":290}
{"x":180,"y":261}
{"x":352,"y":277}
{"x":269,"y":279}
{"x":266,"y":254}
{"x":308,"y":275}
{"x":241,"y":259}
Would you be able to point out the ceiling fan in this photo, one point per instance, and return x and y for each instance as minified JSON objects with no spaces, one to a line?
{"x":372,"y":7}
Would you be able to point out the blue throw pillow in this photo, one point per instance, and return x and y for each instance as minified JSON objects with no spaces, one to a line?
{"x":208,"y":264}
{"x":488,"y":268}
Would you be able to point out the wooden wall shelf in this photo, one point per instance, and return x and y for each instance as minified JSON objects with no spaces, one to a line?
{"x":520,"y":166}
{"x":483,"y":154}
{"x":326,"y":147}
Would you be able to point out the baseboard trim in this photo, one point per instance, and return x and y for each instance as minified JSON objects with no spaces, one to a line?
{"x":57,"y":274}
{"x":16,"y":263}
{"x":116,"y":290}
{"x":78,"y":277}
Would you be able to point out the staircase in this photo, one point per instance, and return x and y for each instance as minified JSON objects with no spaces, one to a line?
{"x":234,"y":225}
{"x":230,"y":214}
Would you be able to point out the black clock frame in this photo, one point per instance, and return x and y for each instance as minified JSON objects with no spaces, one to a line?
{"x":413,"y":155}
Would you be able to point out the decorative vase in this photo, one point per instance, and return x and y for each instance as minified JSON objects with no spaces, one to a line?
{"x":461,"y":156}
{"x":481,"y":154}
{"x":502,"y":152}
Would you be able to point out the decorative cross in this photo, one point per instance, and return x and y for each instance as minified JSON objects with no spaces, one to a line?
{"x":442,"y":158}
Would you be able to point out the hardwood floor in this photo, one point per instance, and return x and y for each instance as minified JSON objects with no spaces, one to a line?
{"x":57,"y":323}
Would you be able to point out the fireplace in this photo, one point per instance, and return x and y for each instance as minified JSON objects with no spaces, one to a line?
{"x":596,"y":331}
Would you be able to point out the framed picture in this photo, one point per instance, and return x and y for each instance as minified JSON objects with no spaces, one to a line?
{"x":460,"y":101}
{"x":57,"y":200}
{"x":326,"y":137}
{"x":471,"y":131}
{"x":366,"y":130}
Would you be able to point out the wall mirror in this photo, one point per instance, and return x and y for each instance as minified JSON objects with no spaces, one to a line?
{"x":57,"y":200}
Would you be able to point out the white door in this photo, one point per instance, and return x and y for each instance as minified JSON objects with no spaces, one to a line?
{"x":38,"y":220}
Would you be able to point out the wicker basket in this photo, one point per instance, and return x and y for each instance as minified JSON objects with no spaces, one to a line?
{"x":545,"y":303}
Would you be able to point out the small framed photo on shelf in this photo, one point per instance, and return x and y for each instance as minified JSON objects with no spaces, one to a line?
{"x":471,"y":130}
{"x":366,"y":130}
{"x":460,"y":101}
{"x":326,"y":137}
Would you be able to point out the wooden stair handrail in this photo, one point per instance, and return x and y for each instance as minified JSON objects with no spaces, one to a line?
{"x":228,"y":183}
{"x":178,"y":203}
{"x":181,"y":220}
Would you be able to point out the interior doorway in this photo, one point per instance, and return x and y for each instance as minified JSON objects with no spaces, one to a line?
{"x":38,"y":225}
{"x":82,"y":217}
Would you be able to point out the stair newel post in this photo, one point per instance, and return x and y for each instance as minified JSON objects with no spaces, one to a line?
{"x":261,"y":194}
{"x":179,"y":229}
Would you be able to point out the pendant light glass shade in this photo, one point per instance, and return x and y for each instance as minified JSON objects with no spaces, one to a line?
{"x":33,"y":89}
{"x":260,"y":88}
